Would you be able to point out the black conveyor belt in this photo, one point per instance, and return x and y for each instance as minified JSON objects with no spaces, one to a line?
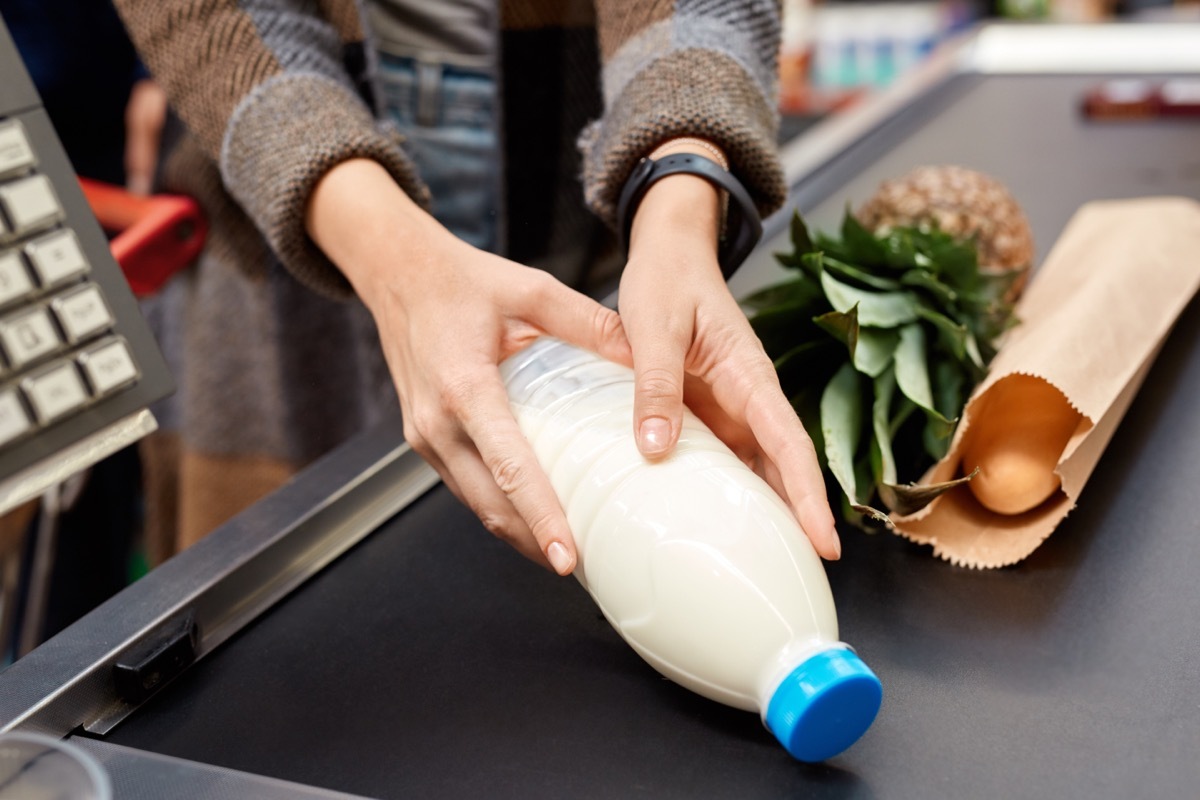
{"x":431,"y":661}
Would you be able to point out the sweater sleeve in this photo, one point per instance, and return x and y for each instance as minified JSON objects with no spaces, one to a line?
{"x":674,"y":68}
{"x":262,"y":86}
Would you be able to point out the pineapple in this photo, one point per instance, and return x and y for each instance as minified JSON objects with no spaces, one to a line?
{"x":963,"y":203}
{"x":887,"y":326}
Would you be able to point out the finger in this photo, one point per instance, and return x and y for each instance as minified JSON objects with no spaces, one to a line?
{"x":143,"y":132}
{"x":141,"y":157}
{"x":482,"y":408}
{"x":442,"y":443}
{"x":658,"y":367}
{"x":447,"y":476}
{"x":477,"y":488}
{"x":576,"y":318}
{"x":139,"y":174}
{"x":789,"y":448}
{"x":774,"y":478}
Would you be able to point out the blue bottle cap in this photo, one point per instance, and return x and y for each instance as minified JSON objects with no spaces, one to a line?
{"x":824,"y":705}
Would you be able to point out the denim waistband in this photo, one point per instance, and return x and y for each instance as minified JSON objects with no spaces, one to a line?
{"x":433,"y":94}
{"x":389,"y":61}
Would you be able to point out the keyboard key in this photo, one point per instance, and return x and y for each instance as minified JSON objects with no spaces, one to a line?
{"x":16,"y":155}
{"x":108,"y":366}
{"x":28,"y":336}
{"x":56,"y":257}
{"x":30,"y":204}
{"x":55,"y":392}
{"x":15,"y":282}
{"x":13,"y":420}
{"x":82,"y":313}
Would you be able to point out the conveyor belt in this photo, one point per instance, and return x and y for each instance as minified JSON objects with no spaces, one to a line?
{"x":431,"y":661}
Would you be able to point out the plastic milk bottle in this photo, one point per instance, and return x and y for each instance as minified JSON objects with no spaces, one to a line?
{"x":695,"y":560}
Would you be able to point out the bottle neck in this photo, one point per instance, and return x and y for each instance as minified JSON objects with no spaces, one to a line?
{"x":784,"y":663}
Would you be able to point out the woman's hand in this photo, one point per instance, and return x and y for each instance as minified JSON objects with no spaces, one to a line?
{"x":447,"y":315}
{"x":690,"y":338}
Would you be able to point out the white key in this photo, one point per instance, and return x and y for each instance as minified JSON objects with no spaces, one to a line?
{"x":55,"y":392}
{"x":28,"y":336}
{"x":15,"y":153}
{"x":56,"y":257}
{"x":108,"y":366}
{"x":14,"y":278}
{"x":82,"y":313}
{"x":30,"y":203}
{"x":13,"y":419}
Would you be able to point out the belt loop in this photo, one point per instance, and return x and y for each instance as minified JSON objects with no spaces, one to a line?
{"x":429,"y":87}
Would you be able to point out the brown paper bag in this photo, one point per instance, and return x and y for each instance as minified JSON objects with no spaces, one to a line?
{"x":1092,"y":321}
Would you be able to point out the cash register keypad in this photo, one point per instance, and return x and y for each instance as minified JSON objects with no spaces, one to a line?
{"x":58,"y":349}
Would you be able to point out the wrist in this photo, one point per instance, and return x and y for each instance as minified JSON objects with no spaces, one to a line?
{"x":368,"y":227}
{"x":681,"y":205}
{"x":694,"y":145}
{"x":684,"y":208}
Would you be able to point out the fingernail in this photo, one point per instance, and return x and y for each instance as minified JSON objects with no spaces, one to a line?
{"x":559,"y":558}
{"x":837,"y":545}
{"x":654,"y":433}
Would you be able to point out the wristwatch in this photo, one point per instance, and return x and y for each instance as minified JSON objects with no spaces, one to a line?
{"x":743,"y":226}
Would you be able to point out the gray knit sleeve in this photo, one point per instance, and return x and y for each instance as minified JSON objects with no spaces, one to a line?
{"x":703,"y":68}
{"x":262,"y":87}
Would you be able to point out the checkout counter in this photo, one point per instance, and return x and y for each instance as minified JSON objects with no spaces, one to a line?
{"x":358,"y":632}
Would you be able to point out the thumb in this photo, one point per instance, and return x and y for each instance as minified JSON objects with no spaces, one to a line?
{"x":576,"y":318}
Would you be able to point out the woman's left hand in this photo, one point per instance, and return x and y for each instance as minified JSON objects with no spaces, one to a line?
{"x":690,"y":338}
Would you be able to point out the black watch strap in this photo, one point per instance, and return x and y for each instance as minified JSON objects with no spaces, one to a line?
{"x":743,"y":227}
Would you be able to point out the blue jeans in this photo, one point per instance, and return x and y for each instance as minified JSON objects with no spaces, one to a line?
{"x":447,"y":115}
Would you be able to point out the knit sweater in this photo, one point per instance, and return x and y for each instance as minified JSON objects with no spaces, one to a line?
{"x":277,"y":95}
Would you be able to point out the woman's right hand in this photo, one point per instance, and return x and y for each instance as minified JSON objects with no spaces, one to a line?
{"x":447,"y":315}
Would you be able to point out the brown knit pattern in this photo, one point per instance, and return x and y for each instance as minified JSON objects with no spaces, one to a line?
{"x":283,"y":142}
{"x":206,"y":53}
{"x":620,"y":22}
{"x":961,"y":202}
{"x":686,"y":93}
{"x":345,"y":16}
{"x":232,"y":237}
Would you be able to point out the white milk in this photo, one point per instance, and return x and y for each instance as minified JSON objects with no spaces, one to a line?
{"x":693,"y":559}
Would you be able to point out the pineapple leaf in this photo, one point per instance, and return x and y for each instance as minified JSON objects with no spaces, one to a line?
{"x":861,"y":245}
{"x":841,"y":325}
{"x":877,"y":309}
{"x":875,"y":349}
{"x":800,"y":292}
{"x":951,"y":335}
{"x":801,"y":242}
{"x":912,"y":498}
{"x":841,"y":423}
{"x":938,"y":291}
{"x":885,"y":388}
{"x":779,"y":328}
{"x":854,"y":275}
{"x":948,"y":384}
{"x":912,"y":374}
{"x":806,"y":365}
